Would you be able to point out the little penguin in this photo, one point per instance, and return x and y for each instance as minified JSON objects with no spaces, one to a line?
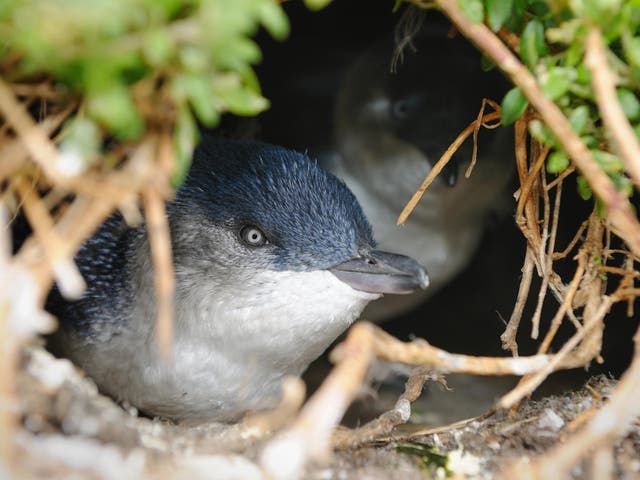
{"x":273,"y":260}
{"x":390,"y":128}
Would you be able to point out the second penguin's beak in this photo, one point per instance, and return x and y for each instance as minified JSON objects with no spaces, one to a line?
{"x":382,"y":272}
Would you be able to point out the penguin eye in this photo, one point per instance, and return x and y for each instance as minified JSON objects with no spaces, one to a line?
{"x":253,"y":236}
{"x":400,"y":109}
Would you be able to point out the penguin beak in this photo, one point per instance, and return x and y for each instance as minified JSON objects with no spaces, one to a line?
{"x":449,"y":174}
{"x":382,"y":272}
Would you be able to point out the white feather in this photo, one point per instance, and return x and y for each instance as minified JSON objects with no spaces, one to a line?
{"x":230,"y":354}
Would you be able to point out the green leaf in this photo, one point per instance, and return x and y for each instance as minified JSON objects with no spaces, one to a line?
{"x":250,"y":80}
{"x":514,"y":104}
{"x":579,"y":118}
{"x":316,"y":4}
{"x":557,"y":162}
{"x":515,"y":22}
{"x":472,"y":9}
{"x":194,"y":59}
{"x":583,"y":74}
{"x":497,"y":12}
{"x":565,"y":33}
{"x":199,"y":91}
{"x":590,"y":141}
{"x":622,"y":184}
{"x":539,"y":8}
{"x":632,"y":50}
{"x":556,"y":82}
{"x":235,"y":53}
{"x":114,"y":109}
{"x":584,"y":190}
{"x":601,"y":12}
{"x":629,"y":103}
{"x":428,"y":456}
{"x":607,"y":161}
{"x":242,"y":101}
{"x":532,"y":43}
{"x":158,"y":47}
{"x":541,"y":132}
{"x":274,"y":19}
{"x":574,"y":54}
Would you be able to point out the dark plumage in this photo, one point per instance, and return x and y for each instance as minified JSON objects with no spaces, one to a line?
{"x":273,"y":259}
{"x":312,"y":220}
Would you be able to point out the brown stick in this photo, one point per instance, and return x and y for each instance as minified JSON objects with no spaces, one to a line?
{"x":14,"y":153}
{"x":385,"y":423}
{"x":37,"y":143}
{"x":604,"y":88}
{"x":160,"y":243}
{"x":508,"y":337}
{"x":548,"y":259}
{"x":564,"y":307}
{"x":476,"y":131}
{"x":293,"y":393}
{"x":84,"y":216}
{"x":422,"y":432}
{"x":420,"y":352}
{"x":440,"y":164}
{"x":572,"y":243}
{"x":527,"y":387}
{"x":309,"y":437}
{"x":9,"y":348}
{"x":66,"y":273}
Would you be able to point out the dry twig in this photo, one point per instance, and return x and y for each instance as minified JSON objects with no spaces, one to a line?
{"x":604,"y":87}
{"x":440,"y":164}
{"x":37,"y":143}
{"x":293,"y":394}
{"x":385,"y":423}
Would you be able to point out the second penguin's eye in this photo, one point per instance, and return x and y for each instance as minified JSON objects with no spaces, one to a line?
{"x":252,"y":236}
{"x":400,"y":109}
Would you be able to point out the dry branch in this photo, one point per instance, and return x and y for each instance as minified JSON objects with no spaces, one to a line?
{"x":66,"y":273}
{"x":442,"y":162}
{"x":37,"y":143}
{"x":508,"y":337}
{"x":157,"y":226}
{"x":604,"y":87}
{"x":293,"y":395}
{"x":309,"y":437}
{"x":548,"y":259}
{"x":385,"y":423}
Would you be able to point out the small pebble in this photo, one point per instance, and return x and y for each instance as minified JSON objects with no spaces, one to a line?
{"x":550,"y":420}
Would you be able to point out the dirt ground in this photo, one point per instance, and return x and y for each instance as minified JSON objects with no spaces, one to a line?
{"x":70,"y":431}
